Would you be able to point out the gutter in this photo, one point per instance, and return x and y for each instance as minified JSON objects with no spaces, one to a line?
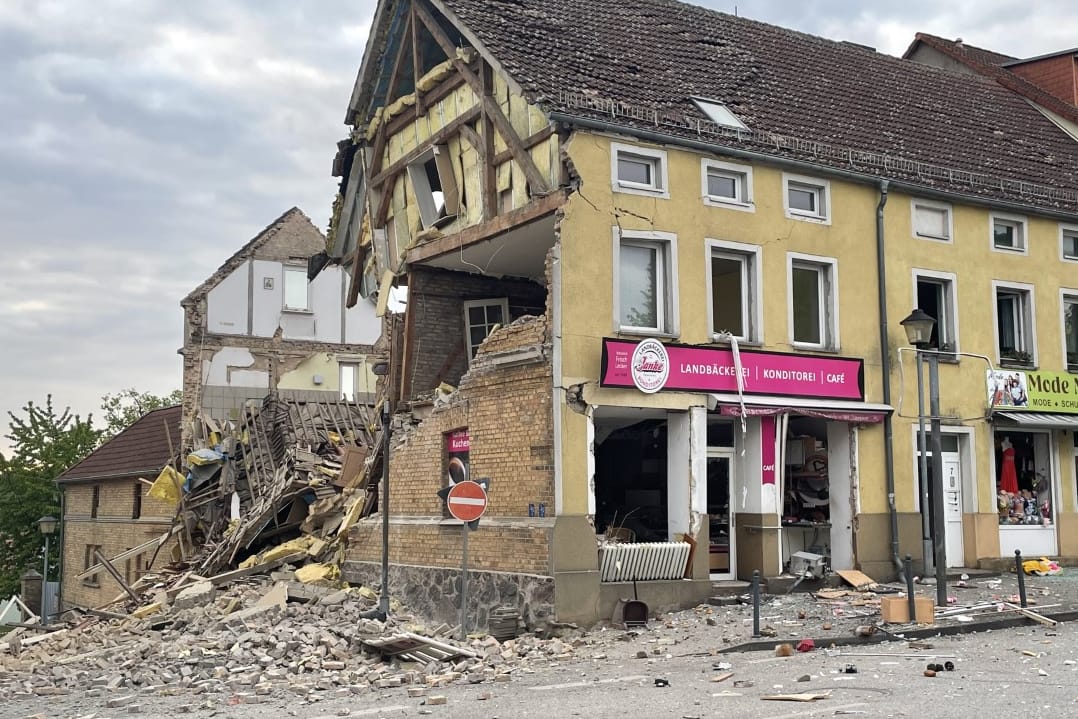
{"x":885,"y":357}
{"x":803,"y":166}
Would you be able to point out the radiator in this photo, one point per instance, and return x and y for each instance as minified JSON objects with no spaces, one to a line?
{"x":643,"y":561}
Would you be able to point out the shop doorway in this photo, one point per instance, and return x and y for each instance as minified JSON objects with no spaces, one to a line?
{"x":720,"y":476}
{"x":952,"y":498}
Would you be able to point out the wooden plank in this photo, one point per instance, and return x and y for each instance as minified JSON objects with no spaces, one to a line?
{"x":802,"y":697}
{"x":226,"y":577}
{"x":134,"y":551}
{"x":116,"y":575}
{"x":1031,"y":614}
{"x":856,"y":579}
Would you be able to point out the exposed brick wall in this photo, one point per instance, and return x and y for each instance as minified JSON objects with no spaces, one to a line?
{"x":1054,"y":75}
{"x":438,"y":351}
{"x":114,"y":531}
{"x":507,"y":410}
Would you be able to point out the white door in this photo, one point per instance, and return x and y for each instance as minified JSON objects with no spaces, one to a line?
{"x":952,"y":509}
{"x":720,"y":477}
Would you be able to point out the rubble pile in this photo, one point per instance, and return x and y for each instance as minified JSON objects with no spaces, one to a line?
{"x":256,"y":641}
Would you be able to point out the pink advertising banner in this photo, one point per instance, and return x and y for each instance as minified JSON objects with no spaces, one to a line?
{"x":711,"y":369}
{"x":767,"y":450}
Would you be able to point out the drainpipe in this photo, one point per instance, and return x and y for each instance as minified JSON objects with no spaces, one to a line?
{"x":888,"y":428}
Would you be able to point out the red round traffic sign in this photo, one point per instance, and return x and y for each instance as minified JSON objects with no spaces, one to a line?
{"x":467,"y":501}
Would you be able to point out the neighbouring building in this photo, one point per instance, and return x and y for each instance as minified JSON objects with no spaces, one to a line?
{"x":656,"y":259}
{"x":259,"y":324}
{"x":106,"y":510}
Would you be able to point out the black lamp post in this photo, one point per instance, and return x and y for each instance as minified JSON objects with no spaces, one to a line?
{"x":918,"y":327}
{"x":381,"y":369}
{"x":47,"y":526}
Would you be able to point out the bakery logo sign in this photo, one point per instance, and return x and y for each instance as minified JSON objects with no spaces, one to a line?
{"x":650,"y":366}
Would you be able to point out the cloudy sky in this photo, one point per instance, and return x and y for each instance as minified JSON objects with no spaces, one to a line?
{"x":143,"y":141}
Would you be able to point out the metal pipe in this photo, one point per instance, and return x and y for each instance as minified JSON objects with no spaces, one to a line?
{"x":755,"y":603}
{"x":939,"y":525}
{"x":45,"y":585}
{"x":1021,"y":577}
{"x":383,"y":599}
{"x":922,"y":461}
{"x":909,"y":588}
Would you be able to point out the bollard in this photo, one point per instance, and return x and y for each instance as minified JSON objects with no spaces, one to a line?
{"x":755,"y":603}
{"x":1021,"y":576}
{"x":909,"y":588}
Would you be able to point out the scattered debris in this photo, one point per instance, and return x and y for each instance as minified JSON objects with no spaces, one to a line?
{"x":802,"y":697}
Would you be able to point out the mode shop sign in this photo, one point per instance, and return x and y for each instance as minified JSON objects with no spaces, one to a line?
{"x":651,"y":366}
{"x":1033,"y":391}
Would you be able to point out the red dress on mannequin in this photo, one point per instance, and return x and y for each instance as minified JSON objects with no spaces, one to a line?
{"x":1008,"y":478}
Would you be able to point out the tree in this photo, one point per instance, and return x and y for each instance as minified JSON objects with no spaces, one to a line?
{"x":126,"y":406}
{"x":43,"y":444}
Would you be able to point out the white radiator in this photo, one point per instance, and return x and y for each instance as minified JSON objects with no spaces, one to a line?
{"x":643,"y":561}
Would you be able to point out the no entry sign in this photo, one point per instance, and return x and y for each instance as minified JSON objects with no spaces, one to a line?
{"x":467,"y":501}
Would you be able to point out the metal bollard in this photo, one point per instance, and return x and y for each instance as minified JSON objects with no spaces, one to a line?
{"x":909,"y":588}
{"x":1021,"y":576}
{"x":755,"y":603}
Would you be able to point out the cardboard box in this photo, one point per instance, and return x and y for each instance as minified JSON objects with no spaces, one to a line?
{"x":896,"y":610}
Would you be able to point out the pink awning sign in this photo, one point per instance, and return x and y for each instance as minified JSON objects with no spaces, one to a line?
{"x":711,"y":369}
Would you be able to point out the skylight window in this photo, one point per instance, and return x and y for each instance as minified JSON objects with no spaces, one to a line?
{"x":718,"y":113}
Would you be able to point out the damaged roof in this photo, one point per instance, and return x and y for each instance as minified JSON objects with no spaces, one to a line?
{"x":636,"y":64}
{"x":144,"y":448}
{"x":292,"y":231}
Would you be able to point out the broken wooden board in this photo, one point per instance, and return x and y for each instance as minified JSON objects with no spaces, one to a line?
{"x":832,"y":593}
{"x":856,"y":579}
{"x":800,"y":697}
{"x":413,"y":647}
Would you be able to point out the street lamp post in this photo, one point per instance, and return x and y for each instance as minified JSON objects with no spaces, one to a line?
{"x":918,"y":327}
{"x":381,"y":369}
{"x":47,"y":526}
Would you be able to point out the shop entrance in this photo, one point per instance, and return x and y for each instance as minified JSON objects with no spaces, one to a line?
{"x":952,"y":498}
{"x":721,"y":554}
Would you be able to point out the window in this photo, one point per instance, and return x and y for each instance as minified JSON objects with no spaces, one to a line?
{"x":727,"y":185}
{"x":1009,"y":233}
{"x":1023,"y":464}
{"x":89,"y":560}
{"x":734,"y":288}
{"x":931,"y":220}
{"x":644,"y":278}
{"x":813,"y":302}
{"x":1014,"y":324}
{"x":639,"y":170}
{"x":807,"y":198}
{"x":1070,"y":329}
{"x":1068,"y":243}
{"x":295,"y":289}
{"x":481,"y":317}
{"x":718,"y":113}
{"x":133,"y":568}
{"x":349,"y":377}
{"x":435,"y":186}
{"x":95,"y":500}
{"x":136,"y":504}
{"x":935,"y":295}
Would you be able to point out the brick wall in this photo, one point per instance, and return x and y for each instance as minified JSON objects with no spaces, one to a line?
{"x":507,"y":409}
{"x":113,"y":530}
{"x":1055,"y":75}
{"x":438,"y":351}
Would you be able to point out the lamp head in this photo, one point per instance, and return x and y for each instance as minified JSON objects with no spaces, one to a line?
{"x":918,"y":328}
{"x":47,"y":525}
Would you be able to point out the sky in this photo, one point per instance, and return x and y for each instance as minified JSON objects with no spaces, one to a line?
{"x":142,"y":142}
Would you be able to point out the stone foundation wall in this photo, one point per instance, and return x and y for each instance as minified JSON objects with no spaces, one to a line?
{"x":434,"y":593}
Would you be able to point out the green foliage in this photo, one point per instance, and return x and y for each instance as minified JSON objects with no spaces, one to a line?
{"x":123,"y":408}
{"x":44,"y":444}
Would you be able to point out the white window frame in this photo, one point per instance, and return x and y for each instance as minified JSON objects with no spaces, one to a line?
{"x":932,"y":205}
{"x":1021,"y":230}
{"x":949,"y":283}
{"x":429,"y":212}
{"x":352,"y":368}
{"x":742,"y":176}
{"x":1066,"y":231}
{"x":292,"y":270}
{"x":658,"y":187}
{"x":666,"y":278}
{"x":1027,"y":324}
{"x":827,"y":296}
{"x":822,"y":190}
{"x":502,"y":302}
{"x":718,"y":113}
{"x":1067,"y":296}
{"x":750,"y":257}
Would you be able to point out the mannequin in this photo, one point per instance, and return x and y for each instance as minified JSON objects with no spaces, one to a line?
{"x":1008,"y":477}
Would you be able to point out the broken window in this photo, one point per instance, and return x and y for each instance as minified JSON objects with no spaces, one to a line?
{"x":95,"y":501}
{"x":350,"y":380}
{"x":481,"y":317}
{"x":89,"y":560}
{"x":295,"y":289}
{"x":812,"y":306}
{"x":1014,"y":324}
{"x":435,"y":186}
{"x":136,"y":505}
{"x":734,"y":280}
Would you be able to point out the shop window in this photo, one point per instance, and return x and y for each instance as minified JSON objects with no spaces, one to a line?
{"x":1070,"y":331}
{"x":931,"y":220}
{"x":136,"y":500}
{"x":734,"y":284}
{"x":645,"y":279}
{"x":1024,"y":478}
{"x":631,"y":480}
{"x":1009,"y":233}
{"x":935,"y":296}
{"x":727,"y":185}
{"x":88,"y":560}
{"x":639,"y":170}
{"x":813,"y":302}
{"x":1014,"y":325}
{"x":435,"y":186}
{"x":296,"y":296}
{"x":481,"y":317}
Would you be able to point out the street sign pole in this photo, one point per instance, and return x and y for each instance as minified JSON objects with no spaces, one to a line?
{"x":467,"y":501}
{"x":464,"y":585}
